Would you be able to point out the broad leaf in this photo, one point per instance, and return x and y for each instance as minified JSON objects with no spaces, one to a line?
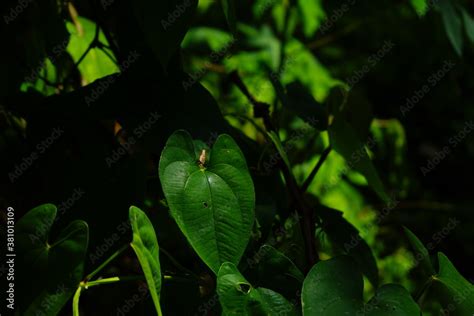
{"x":345,"y":237}
{"x":238,"y":297}
{"x":312,"y":14}
{"x":146,"y":248}
{"x":392,"y":300}
{"x":335,"y":287}
{"x":452,"y":289}
{"x":344,"y":140}
{"x":96,"y":64}
{"x":164,"y":23}
{"x":42,"y":259}
{"x":210,"y":195}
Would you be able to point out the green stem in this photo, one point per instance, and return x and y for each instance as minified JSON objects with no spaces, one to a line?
{"x":106,"y":262}
{"x":75,"y":301}
{"x":112,"y":280}
{"x":315,"y":170}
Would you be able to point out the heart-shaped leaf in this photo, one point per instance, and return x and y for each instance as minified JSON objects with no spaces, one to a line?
{"x":238,"y":297}
{"x":42,"y":259}
{"x":146,"y":248}
{"x":335,"y":287}
{"x":210,"y":195}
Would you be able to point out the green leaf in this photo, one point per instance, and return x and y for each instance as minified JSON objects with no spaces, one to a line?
{"x":392,"y":300}
{"x":229,"y":12}
{"x":146,"y":248}
{"x":335,"y":287}
{"x":312,"y":14}
{"x":305,"y":106}
{"x":164,"y":23}
{"x":344,"y":140}
{"x":468,"y":24}
{"x":233,"y":290}
{"x":96,"y":64}
{"x":238,"y":297}
{"x":347,"y":239}
{"x":453,"y":290}
{"x":265,"y":302}
{"x":211,"y":200}
{"x":276,"y":271}
{"x":420,"y":6}
{"x":452,"y":24}
{"x":42,"y":260}
{"x":419,"y":249}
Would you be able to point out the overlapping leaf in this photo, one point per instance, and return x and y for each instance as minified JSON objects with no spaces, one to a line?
{"x":238,"y":297}
{"x":335,"y":287}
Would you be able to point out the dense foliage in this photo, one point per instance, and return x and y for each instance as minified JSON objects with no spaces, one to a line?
{"x":284,"y":156}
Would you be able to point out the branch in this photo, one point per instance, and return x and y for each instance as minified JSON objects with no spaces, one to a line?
{"x":260,"y":109}
{"x":315,"y":170}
